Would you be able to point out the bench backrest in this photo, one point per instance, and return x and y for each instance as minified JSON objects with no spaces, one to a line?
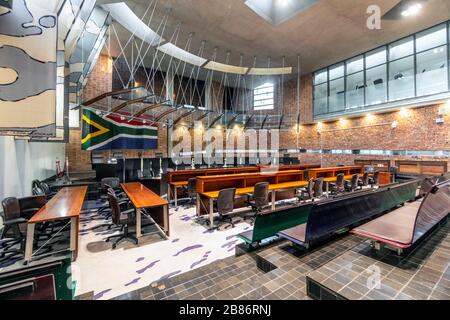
{"x":330,"y":216}
{"x":435,"y":207}
{"x":268,"y":224}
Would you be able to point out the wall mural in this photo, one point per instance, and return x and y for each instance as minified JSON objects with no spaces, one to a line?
{"x":47,"y":51}
{"x":28,"y":38}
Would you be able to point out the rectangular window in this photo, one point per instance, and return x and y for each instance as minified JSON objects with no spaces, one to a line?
{"x":431,"y":38}
{"x":355,"y":90}
{"x":355,"y":65}
{"x":376,"y":57}
{"x":337,"y":95}
{"x":432,"y":71}
{"x":401,"y":79}
{"x":321,"y":99}
{"x":402,"y":48}
{"x":410,"y":68}
{"x":376,"y":81}
{"x":264,"y":97}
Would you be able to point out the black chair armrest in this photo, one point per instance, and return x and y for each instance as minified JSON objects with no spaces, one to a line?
{"x":15,"y":221}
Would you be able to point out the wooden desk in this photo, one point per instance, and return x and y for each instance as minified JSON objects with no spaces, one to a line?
{"x":334,"y":171}
{"x":66,"y":204}
{"x":288,"y":167}
{"x":179,"y":179}
{"x":143,"y":198}
{"x":208,"y":187}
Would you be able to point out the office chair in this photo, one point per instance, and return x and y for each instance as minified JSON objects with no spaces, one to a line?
{"x":192,"y":189}
{"x":318,"y":189}
{"x":46,"y":189}
{"x":364,"y":181}
{"x":352,"y":185}
{"x":11,"y":222}
{"x":308,"y":190}
{"x":339,"y":185}
{"x":260,"y":197}
{"x":374,"y":181}
{"x":306,"y":175}
{"x":122,"y":219}
{"x":225,"y":204}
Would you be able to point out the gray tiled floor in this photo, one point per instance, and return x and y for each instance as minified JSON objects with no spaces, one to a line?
{"x":240,"y":278}
{"x":422,"y":274}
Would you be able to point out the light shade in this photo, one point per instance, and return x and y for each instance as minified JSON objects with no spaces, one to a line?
{"x":216,"y":66}
{"x":270,"y":71}
{"x":180,"y":54}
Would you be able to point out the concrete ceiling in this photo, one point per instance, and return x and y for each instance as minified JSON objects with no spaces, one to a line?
{"x":325,"y":33}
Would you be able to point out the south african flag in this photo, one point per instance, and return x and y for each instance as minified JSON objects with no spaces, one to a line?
{"x":114,"y":132}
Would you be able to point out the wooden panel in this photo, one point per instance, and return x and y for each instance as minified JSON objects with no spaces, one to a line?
{"x":379,"y":165}
{"x":215,"y":183}
{"x":334,"y":171}
{"x":67,"y":203}
{"x":422,"y":167}
{"x":185,"y":175}
{"x":142,"y":197}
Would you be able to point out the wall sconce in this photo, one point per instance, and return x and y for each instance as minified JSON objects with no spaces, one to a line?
{"x":394,"y":125}
{"x":404,"y":112}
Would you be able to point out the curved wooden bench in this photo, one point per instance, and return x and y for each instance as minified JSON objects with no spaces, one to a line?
{"x":268,"y":224}
{"x":330,"y":217}
{"x":402,"y":228}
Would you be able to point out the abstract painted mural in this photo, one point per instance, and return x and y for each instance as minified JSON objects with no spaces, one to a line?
{"x":47,"y":51}
{"x":28,"y":39}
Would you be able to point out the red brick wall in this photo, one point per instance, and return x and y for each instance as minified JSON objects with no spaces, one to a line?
{"x":416,"y":130}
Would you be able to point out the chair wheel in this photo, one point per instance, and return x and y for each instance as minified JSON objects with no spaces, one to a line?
{"x":114,"y":246}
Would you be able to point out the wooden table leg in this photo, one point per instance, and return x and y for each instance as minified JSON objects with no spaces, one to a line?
{"x":168,"y":193}
{"x":197,"y":203}
{"x":166,"y":220}
{"x":29,"y":242}
{"x":175,"y":195}
{"x":74,"y":223}
{"x":211,"y":212}
{"x":138,"y":223}
{"x":273,"y":199}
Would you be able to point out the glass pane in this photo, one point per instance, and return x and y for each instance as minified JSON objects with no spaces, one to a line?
{"x":402,"y":48}
{"x":376,"y":81}
{"x":432,"y":71}
{"x":376,"y":57}
{"x":337,"y":95}
{"x":355,"y":90}
{"x":336,"y":71}
{"x":320,"y":99}
{"x":401,"y":79}
{"x":320,"y":77}
{"x":432,"y":38}
{"x":355,"y":65}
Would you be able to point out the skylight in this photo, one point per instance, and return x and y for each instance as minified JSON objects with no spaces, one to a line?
{"x":278,"y":11}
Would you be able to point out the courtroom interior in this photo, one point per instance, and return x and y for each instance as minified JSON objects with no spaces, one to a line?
{"x":224,"y":150}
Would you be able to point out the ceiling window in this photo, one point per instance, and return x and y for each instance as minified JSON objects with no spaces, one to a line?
{"x":264,"y":97}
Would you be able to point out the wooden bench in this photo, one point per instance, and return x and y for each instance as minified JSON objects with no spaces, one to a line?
{"x":337,"y":215}
{"x":402,"y":228}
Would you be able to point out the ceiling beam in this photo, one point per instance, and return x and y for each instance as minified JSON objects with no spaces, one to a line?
{"x":164,"y":114}
{"x":104,"y":95}
{"x":186,"y":114}
{"x":281,"y":122}
{"x":203,"y":116}
{"x":248,"y":121}
{"x":215,"y":121}
{"x":232,"y":122}
{"x":127,"y":103}
{"x":264,"y":122}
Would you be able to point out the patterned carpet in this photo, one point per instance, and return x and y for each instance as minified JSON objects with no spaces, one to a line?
{"x":109,"y":273}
